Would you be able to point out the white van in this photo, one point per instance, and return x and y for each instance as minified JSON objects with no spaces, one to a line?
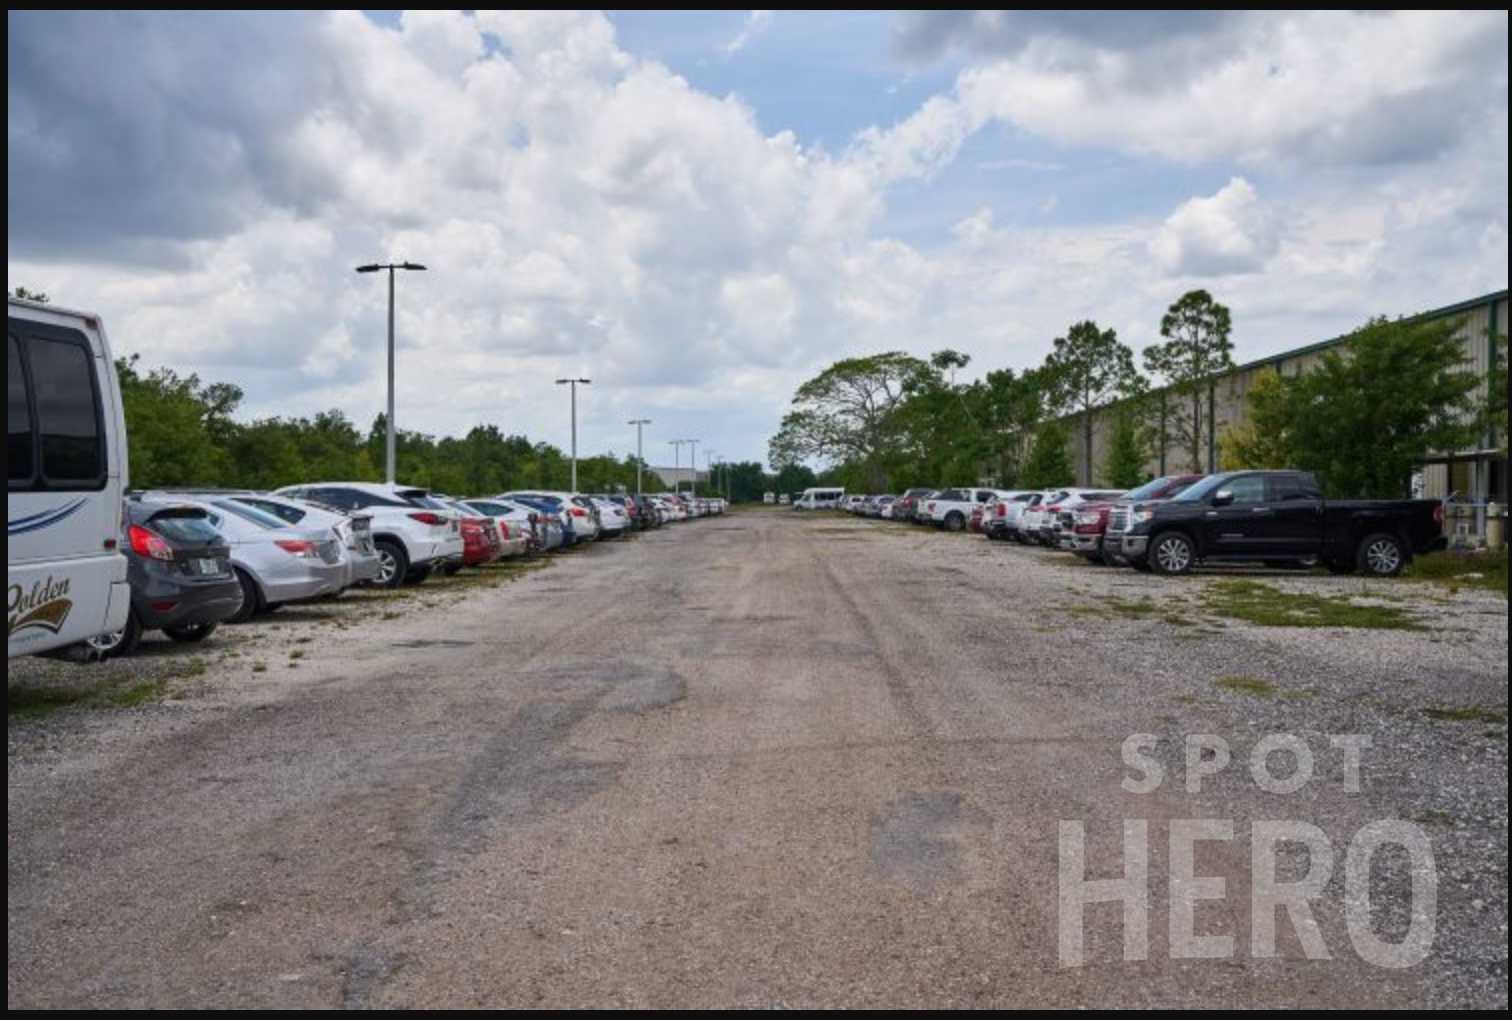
{"x":819,"y":499}
{"x":66,"y":457}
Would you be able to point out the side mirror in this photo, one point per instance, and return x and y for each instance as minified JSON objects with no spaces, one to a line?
{"x":1223,"y":497}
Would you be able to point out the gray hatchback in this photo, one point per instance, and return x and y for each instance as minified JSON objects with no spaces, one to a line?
{"x":182,"y":582}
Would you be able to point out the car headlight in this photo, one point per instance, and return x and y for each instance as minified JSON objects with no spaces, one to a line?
{"x":1088,"y":518}
{"x":1140,"y":516}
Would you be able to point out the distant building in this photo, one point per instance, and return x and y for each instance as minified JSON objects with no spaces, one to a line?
{"x":671,"y":477}
{"x":1476,"y":474}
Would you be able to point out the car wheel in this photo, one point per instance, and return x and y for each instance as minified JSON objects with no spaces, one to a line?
{"x":954,"y":522}
{"x":121,"y":642}
{"x":189,"y":633}
{"x":251,"y":598}
{"x":1172,"y":553}
{"x":393,"y":563}
{"x":451,"y":569}
{"x":1381,"y":555}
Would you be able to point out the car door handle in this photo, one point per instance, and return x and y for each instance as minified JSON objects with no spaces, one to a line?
{"x":1260,"y":510}
{"x":1212,"y":513}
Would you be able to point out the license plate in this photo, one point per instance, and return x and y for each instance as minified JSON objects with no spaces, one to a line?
{"x":207,"y":568}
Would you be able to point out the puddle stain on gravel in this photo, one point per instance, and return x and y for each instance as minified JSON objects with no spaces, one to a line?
{"x":920,"y":839}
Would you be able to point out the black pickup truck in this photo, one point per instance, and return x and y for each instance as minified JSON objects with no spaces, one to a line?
{"x":1279,"y":518}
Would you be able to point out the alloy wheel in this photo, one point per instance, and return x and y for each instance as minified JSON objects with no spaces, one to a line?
{"x":1173,"y":555}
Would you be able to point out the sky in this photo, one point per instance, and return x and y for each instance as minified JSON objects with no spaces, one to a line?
{"x":701,"y":211}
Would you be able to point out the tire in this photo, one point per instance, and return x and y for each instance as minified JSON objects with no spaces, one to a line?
{"x":954,"y":521}
{"x":1172,"y":554}
{"x":251,"y":598}
{"x":417,"y":576}
{"x":450,"y":570}
{"x":393,"y":563}
{"x":1381,"y":555}
{"x":122,"y":642}
{"x":190,"y":633}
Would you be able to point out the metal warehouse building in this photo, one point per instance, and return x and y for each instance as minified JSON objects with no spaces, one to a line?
{"x":1476,"y":475}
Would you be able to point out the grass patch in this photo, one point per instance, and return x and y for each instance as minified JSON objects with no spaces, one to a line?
{"x":1480,"y":715}
{"x":1483,"y":571}
{"x":1257,"y":688}
{"x":1253,"y":686}
{"x":140,"y":693}
{"x":259,"y":667}
{"x":1132,"y":608}
{"x":1267,"y":606}
{"x":28,"y":702}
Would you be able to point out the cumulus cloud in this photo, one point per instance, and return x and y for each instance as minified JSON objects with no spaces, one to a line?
{"x":209,"y":182}
{"x":1228,"y":232}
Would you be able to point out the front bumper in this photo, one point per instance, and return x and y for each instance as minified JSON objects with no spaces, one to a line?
{"x":1086,"y":545}
{"x":1134,"y":547}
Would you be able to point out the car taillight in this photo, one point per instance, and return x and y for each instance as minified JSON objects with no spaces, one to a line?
{"x":296,"y":546}
{"x":1438,"y":514}
{"x":145,"y":543}
{"x":504,"y":531}
{"x":1002,"y":510}
{"x":578,"y":511}
{"x":431,"y":519}
{"x":931,"y":506}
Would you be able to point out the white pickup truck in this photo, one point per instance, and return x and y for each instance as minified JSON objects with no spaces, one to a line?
{"x":951,"y":508}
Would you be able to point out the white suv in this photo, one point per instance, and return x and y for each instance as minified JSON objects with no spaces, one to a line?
{"x":412,"y":533}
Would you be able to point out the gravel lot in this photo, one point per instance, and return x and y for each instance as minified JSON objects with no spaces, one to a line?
{"x":822,"y":765}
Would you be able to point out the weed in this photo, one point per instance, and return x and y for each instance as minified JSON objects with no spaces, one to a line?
{"x":1267,"y":606}
{"x":1247,"y":685}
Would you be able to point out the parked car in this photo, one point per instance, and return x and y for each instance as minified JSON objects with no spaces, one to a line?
{"x":950,"y":509}
{"x":614,"y":519}
{"x":1279,"y":518}
{"x":66,"y":468}
{"x":577,"y":512}
{"x":1098,"y":533}
{"x":481,"y":541}
{"x":1000,"y":517}
{"x":525,"y":529}
{"x":182,"y":580}
{"x":1062,"y":516}
{"x":821,"y":498}
{"x":885,"y":505}
{"x":903,"y":506}
{"x":275,"y":562}
{"x":411,"y":535}
{"x":353,"y":527}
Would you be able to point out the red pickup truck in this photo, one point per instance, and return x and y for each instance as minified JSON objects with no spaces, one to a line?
{"x":1090,"y":522}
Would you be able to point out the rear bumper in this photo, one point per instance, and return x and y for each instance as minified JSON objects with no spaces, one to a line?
{"x":193,"y":604}
{"x":361,"y":567}
{"x":310,"y":579}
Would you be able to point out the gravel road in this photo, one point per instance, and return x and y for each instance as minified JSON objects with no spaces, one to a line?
{"x":763,"y":760}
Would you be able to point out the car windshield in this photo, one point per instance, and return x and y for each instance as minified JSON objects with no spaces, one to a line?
{"x":252,"y":514}
{"x":1199,"y":491}
{"x":1148,"y":490}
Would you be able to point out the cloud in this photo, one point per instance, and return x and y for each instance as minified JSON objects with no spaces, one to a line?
{"x":756,"y":24}
{"x":1228,"y":232}
{"x":926,"y":36}
{"x":208,"y":183}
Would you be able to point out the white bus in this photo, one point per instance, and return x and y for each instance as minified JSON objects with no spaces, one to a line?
{"x":66,"y":459}
{"x":819,"y":499}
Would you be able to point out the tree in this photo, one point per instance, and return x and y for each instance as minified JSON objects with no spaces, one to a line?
{"x":794,"y":478}
{"x":1090,"y":368}
{"x":1263,"y":439}
{"x":1390,"y":394}
{"x":845,"y":414}
{"x":1197,"y":349}
{"x":28,"y":295}
{"x":168,"y":438}
{"x":1127,"y":450}
{"x":1049,"y":463}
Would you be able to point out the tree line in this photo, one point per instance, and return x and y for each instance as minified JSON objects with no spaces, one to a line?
{"x":1392,"y":392}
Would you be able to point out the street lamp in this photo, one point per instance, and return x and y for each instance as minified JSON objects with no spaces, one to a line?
{"x":574,"y":384}
{"x":639,"y":458}
{"x":693,"y":463}
{"x":677,"y":445}
{"x":373,"y":268}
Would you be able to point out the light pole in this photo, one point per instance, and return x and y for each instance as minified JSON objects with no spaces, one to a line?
{"x":574,"y":384}
{"x":373,"y":268}
{"x":639,"y":458}
{"x":677,"y":445}
{"x":693,"y":463}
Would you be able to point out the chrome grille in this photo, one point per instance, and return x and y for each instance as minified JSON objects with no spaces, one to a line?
{"x":1119,"y":519}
